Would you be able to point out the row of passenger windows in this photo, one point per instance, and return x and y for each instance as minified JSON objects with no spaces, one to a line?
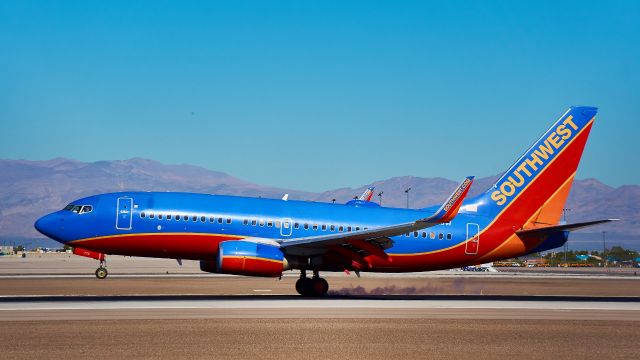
{"x":277,"y":223}
{"x":178,"y":217}
{"x":432,"y":235}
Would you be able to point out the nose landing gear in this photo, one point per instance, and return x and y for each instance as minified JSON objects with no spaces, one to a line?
{"x":314,"y":287}
{"x":101,"y":272}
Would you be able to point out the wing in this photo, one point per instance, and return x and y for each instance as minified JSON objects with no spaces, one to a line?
{"x":379,"y":236}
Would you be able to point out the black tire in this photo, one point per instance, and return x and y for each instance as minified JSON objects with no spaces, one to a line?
{"x":101,"y":273}
{"x":304,"y":286}
{"x":319,"y":287}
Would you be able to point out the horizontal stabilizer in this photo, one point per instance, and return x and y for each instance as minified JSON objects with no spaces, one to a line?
{"x":564,"y":227}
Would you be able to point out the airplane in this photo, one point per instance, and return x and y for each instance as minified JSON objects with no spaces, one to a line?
{"x":520,"y":214}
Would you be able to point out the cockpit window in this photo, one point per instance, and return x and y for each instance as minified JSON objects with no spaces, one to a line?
{"x":79,"y":209}
{"x":86,"y":209}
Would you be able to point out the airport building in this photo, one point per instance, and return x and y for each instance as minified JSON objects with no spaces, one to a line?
{"x":7,"y":250}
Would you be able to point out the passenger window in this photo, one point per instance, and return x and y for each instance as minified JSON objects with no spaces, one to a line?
{"x":348,"y":228}
{"x":142,"y":214}
{"x":253,"y":222}
{"x":203,"y":218}
{"x":448,"y":236}
{"x":340,"y":228}
{"x":177,"y":217}
{"x":324,"y":227}
{"x":151,"y":216}
{"x":228,"y":220}
{"x":194,"y":218}
{"x":185,"y":217}
{"x":432,"y":235}
{"x":333,"y":228}
{"x":357,"y":228}
{"x":245,"y":221}
{"x":306,"y":226}
{"x":159,"y":216}
{"x":278,"y":224}
{"x":415,"y":234}
{"x":424,"y":234}
{"x":440,"y":236}
{"x":296,"y":225}
{"x":261,"y":222}
{"x":212,"y":219}
{"x":269,"y":223}
{"x":219,"y":220}
{"x":168,"y":216}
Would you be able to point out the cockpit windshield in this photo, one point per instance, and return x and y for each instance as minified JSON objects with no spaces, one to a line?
{"x":79,"y":209}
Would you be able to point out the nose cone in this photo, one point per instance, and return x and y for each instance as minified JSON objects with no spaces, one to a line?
{"x":47,"y":225}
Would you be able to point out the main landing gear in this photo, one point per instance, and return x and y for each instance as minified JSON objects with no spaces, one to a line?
{"x":314,"y":287}
{"x":101,"y":272}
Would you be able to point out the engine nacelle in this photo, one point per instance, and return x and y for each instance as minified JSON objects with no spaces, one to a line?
{"x":239,"y":257}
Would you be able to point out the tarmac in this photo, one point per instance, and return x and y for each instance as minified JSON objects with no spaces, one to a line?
{"x":52,"y":307}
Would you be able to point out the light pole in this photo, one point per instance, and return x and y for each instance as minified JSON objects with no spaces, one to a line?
{"x":566,"y":243}
{"x":380,"y":197}
{"x":604,"y":249}
{"x":407,"y":192}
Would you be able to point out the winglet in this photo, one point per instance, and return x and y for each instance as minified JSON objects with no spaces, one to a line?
{"x":366,"y":196}
{"x":450,"y":208}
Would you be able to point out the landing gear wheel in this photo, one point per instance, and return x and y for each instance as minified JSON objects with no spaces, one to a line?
{"x":101,"y":273}
{"x":319,"y":287}
{"x":303,"y":286}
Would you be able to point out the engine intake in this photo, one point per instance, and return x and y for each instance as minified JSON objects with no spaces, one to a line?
{"x":239,"y":257}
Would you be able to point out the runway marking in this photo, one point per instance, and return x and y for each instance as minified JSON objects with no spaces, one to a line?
{"x":322,"y":304}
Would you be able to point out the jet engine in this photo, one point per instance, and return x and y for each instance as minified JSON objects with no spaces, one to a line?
{"x":240,"y":257}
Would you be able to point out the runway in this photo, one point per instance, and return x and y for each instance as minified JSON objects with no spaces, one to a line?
{"x":155,"y":310}
{"x":235,"y":327}
{"x":21,"y":308}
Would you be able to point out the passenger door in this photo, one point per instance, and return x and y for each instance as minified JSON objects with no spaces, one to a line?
{"x":473,"y":239}
{"x":123,"y":215}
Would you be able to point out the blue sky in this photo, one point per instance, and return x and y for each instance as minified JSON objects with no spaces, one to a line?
{"x":315,"y":95}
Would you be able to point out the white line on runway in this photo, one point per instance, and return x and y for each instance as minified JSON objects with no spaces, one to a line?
{"x":324,"y":304}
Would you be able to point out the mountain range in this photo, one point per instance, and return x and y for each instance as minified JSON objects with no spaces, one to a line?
{"x":29,"y":189}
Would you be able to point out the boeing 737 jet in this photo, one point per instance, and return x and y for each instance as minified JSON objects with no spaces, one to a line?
{"x":518,"y":215}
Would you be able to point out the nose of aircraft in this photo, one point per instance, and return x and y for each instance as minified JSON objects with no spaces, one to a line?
{"x":47,"y":225}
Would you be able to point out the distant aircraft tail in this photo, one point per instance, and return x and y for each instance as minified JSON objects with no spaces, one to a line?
{"x":533,"y":191}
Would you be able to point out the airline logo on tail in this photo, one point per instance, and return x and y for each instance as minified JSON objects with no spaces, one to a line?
{"x":532,"y":163}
